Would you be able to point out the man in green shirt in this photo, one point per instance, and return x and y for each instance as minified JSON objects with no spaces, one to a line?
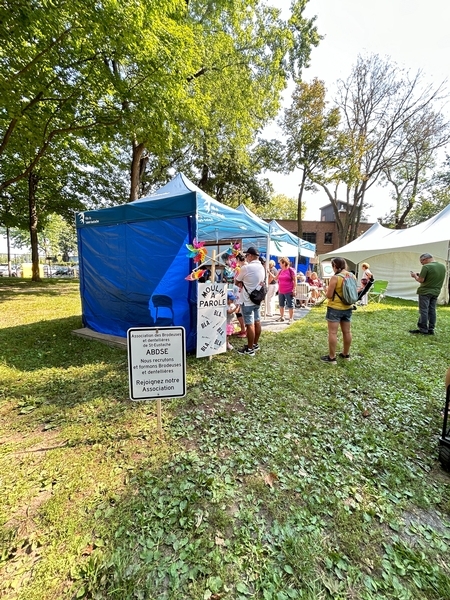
{"x":431,"y":278}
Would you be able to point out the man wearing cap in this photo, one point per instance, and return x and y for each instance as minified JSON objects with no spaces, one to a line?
{"x":251,"y":275}
{"x":431,"y":278}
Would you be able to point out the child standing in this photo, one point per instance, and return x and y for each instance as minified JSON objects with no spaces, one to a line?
{"x":237,"y":291}
{"x":231,"y":309}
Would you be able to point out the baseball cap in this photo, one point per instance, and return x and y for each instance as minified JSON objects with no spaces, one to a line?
{"x":253,"y":251}
{"x":231,"y":296}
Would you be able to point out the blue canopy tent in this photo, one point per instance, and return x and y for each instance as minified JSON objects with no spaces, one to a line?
{"x":282,"y":241}
{"x":130,"y":253}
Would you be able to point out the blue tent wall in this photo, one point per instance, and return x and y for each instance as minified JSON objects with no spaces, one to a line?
{"x":129,"y":252}
{"x":123,"y":265}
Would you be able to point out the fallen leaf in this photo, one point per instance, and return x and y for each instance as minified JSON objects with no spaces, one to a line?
{"x":270,"y":478}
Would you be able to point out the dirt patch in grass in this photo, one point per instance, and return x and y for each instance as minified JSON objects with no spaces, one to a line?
{"x":23,"y":522}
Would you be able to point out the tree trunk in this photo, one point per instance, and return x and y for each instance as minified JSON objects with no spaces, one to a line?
{"x":33,"y":181}
{"x":341,"y":225}
{"x":8,"y":250}
{"x":203,"y":183}
{"x":300,"y":205}
{"x":136,"y":169}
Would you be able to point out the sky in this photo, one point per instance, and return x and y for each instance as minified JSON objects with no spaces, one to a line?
{"x":413,"y":34}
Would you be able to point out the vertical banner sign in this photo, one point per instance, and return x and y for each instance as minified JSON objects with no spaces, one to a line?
{"x":211,"y":318}
{"x":156,"y":362}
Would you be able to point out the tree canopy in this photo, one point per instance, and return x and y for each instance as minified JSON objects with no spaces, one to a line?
{"x":167,"y":84}
{"x":390,"y":127}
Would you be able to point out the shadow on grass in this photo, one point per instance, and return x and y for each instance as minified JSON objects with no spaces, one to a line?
{"x":10,"y":287}
{"x":51,"y":344}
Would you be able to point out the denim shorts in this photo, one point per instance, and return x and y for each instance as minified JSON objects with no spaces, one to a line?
{"x":251,"y":313}
{"x":336,"y":316}
{"x":286,"y":300}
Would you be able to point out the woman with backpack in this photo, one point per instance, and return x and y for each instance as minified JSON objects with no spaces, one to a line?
{"x":341,"y":292}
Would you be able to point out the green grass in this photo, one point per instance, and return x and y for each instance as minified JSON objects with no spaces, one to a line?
{"x":277,"y":476}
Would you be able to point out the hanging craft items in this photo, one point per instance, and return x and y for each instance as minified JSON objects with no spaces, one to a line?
{"x":195,"y":275}
{"x":197,"y":251}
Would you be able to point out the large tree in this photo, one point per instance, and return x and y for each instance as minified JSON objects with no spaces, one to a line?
{"x":71,"y":69}
{"x":311,"y":133}
{"x":433,"y":198}
{"x":379,"y":103}
{"x":280,"y":207}
{"x":423,"y":135}
{"x":167,"y":76}
{"x":246,"y":53}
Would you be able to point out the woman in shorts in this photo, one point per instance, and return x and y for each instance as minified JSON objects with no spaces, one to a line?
{"x":338,"y":314}
{"x":287,"y":283}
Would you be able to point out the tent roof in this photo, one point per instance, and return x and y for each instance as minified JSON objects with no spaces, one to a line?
{"x":430,"y":236}
{"x":283,"y":241}
{"x":304,"y":248}
{"x":178,"y":198}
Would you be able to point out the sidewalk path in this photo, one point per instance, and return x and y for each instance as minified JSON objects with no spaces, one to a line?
{"x":267,"y":324}
{"x":271,"y":323}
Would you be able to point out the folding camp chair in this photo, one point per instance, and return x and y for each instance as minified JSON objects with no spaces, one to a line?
{"x":365,"y":290}
{"x":160,"y":301}
{"x":378,"y":290}
{"x":302,"y":294}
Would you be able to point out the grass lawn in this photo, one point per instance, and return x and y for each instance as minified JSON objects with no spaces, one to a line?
{"x":278,"y":477}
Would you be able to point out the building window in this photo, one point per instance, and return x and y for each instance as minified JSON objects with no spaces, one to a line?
{"x":328,"y":237}
{"x":309,"y":237}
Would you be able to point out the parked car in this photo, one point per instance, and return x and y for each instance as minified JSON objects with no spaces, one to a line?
{"x":64,"y":272}
{"x":4,"y":271}
{"x":49,"y":270}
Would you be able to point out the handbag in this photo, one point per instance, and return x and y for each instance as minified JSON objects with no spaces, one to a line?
{"x":258,"y":294}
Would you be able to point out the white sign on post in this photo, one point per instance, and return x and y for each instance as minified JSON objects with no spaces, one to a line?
{"x":211,"y":319}
{"x":156,"y":362}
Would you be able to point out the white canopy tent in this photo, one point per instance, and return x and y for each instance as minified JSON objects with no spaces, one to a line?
{"x":393,"y":253}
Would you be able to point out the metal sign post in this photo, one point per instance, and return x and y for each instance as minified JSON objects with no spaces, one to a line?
{"x":156,"y":364}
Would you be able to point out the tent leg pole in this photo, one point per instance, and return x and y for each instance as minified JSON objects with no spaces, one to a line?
{"x":158,"y":417}
{"x":447,"y":277}
{"x":266,"y":269}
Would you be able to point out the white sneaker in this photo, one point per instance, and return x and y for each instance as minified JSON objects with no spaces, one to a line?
{"x":291,"y":321}
{"x":230,"y":347}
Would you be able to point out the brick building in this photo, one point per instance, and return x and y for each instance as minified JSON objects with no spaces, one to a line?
{"x":323,"y":233}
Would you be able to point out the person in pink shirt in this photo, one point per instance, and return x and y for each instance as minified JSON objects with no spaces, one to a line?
{"x":287,"y":282}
